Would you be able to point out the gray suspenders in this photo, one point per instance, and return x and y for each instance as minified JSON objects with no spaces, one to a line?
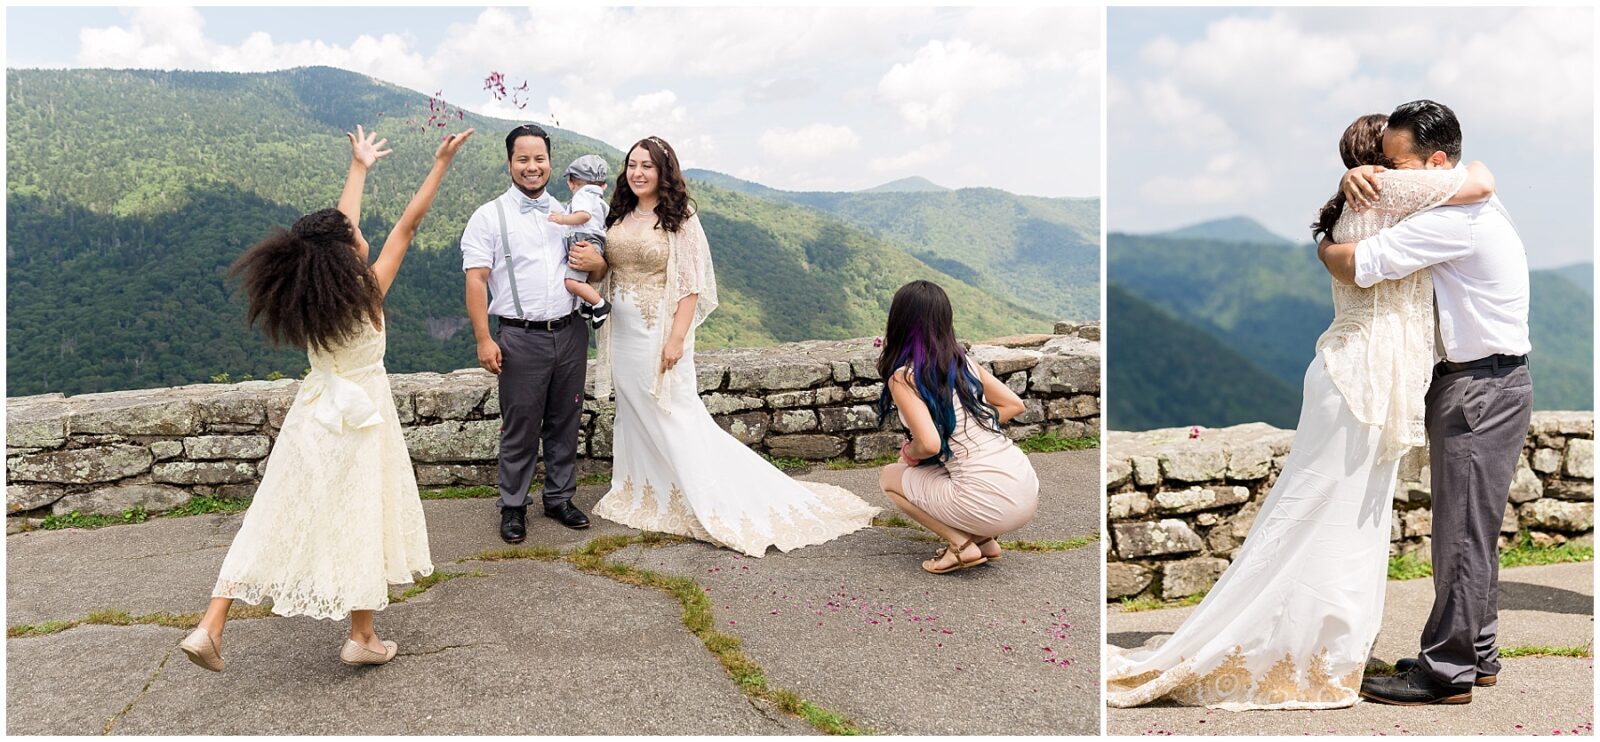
{"x":505,"y":246}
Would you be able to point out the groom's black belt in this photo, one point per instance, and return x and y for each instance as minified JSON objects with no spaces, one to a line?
{"x":548,"y":325}
{"x":1496,"y":362}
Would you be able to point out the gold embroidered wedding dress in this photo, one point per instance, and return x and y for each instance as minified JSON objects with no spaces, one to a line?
{"x":1291,"y":622}
{"x":674,"y":469}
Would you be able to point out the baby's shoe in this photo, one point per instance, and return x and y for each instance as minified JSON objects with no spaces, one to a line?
{"x":597,"y":313}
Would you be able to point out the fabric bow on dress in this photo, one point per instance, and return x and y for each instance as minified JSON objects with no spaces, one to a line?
{"x":337,"y":402}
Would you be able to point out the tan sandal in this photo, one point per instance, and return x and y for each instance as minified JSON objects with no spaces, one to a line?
{"x":959,"y":565}
{"x":355,"y":654}
{"x":990,"y":540}
{"x":202,"y":650}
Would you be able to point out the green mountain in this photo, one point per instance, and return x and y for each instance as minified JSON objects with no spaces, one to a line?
{"x":1269,"y":303}
{"x":1163,"y":372}
{"x":1231,"y":229}
{"x":1561,"y":328}
{"x":913,"y":184}
{"x":1042,"y":253}
{"x":1581,"y":274}
{"x":130,"y":192}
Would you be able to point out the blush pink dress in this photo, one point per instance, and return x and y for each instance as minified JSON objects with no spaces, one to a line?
{"x":987,"y":488}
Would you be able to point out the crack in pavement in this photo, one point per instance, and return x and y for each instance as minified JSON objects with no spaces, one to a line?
{"x":106,"y":730}
{"x":174,"y":553}
{"x":448,"y":647}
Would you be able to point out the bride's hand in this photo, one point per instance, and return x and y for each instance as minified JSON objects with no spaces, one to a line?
{"x":1360,"y":186}
{"x":671,"y":353}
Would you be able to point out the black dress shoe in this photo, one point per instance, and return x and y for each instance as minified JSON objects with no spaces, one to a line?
{"x":514,"y":524}
{"x":1414,"y":687}
{"x":1482,"y":681}
{"x":568,"y":515}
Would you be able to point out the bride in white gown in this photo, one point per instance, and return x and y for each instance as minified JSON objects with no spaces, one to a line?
{"x":1291,"y":622}
{"x":673,"y":468}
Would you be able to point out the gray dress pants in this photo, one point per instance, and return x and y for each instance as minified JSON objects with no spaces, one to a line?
{"x":1477,"y":421}
{"x":541,"y":400}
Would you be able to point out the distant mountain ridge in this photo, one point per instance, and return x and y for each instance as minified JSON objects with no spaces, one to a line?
{"x":1042,"y":253}
{"x":1580,"y":274}
{"x":115,"y":271}
{"x":913,"y":184}
{"x":1163,"y":372}
{"x":1269,"y":303}
{"x":1230,"y":229}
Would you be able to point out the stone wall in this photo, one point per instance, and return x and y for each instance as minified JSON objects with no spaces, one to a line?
{"x":156,"y":448}
{"x":1178,"y":508}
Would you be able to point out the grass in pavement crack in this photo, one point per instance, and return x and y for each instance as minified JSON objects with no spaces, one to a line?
{"x":1066,"y":545}
{"x":146,"y":689}
{"x":240,"y":611}
{"x":698,"y":617}
{"x":1531,"y":651}
{"x":424,"y":584}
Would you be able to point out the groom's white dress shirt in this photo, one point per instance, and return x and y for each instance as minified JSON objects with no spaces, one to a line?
{"x":537,"y":252}
{"x":1480,"y":275}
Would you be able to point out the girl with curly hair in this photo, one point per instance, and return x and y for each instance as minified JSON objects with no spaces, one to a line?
{"x":337,"y":518}
{"x":673,"y":468}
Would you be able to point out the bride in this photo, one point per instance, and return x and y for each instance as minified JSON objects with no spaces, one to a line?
{"x":1292,"y":620}
{"x":673,"y":469}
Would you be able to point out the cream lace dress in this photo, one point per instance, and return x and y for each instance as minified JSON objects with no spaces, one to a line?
{"x":337,"y":518}
{"x":1291,"y":622}
{"x":674,"y":469}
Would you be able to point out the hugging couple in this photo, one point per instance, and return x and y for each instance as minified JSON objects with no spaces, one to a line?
{"x":1412,"y":235}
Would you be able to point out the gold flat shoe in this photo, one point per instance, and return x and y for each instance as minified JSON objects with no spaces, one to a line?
{"x":202,"y":650}
{"x":356,"y":655}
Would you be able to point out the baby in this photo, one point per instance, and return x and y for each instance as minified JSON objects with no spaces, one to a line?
{"x":586,"y":177}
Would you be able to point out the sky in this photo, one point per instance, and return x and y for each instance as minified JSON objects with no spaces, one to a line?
{"x":1221,"y":112}
{"x":798,"y":99}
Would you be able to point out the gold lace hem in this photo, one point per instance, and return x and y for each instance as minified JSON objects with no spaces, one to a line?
{"x":1231,"y":687}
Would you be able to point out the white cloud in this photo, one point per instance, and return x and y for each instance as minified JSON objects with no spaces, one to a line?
{"x":1245,"y":117}
{"x":595,"y":112}
{"x":1184,"y":118}
{"x":930,"y":89}
{"x":810,"y":143}
{"x":1253,"y":57}
{"x":1226,"y":179}
{"x":174,"y":38}
{"x":896,"y":82}
{"x":627,"y":44}
{"x":908,"y":162}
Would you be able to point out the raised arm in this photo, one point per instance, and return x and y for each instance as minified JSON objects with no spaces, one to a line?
{"x":364,"y":152}
{"x":1479,"y":185}
{"x":394,"y":248}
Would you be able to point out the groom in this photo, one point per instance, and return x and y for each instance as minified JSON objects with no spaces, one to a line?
{"x":516,"y":269}
{"x":1478,"y":404}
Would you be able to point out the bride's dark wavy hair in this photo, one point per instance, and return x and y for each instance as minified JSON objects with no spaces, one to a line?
{"x":921,"y":334}
{"x":674,"y":205}
{"x":306,"y":285}
{"x":1362,"y":144}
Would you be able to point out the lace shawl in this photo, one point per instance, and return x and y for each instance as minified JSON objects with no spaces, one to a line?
{"x":1379,"y":349}
{"x":689,"y":272}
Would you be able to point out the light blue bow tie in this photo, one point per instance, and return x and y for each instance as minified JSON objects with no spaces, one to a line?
{"x":533,"y":204}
